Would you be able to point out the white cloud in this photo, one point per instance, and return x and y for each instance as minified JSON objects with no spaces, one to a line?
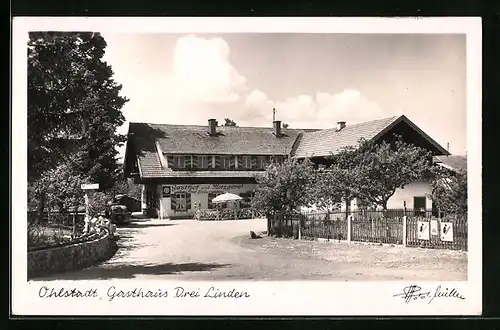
{"x":202,"y":71}
{"x":200,"y":82}
{"x":321,"y":111}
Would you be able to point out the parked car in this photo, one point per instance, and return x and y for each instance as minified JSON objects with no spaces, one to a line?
{"x":132,"y":204}
{"x":118,"y":213}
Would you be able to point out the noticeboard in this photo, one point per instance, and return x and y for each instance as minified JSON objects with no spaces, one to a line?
{"x":423,"y":230}
{"x":447,"y":231}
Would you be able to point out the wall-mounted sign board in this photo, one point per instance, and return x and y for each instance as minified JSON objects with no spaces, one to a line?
{"x":90,"y":186}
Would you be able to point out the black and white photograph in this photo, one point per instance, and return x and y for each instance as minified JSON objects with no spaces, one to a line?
{"x":233,"y":168}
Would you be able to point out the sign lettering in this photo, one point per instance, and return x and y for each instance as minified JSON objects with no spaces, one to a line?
{"x":203,"y":188}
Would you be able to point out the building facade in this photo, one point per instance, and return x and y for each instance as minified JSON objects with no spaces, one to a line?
{"x":181,"y":168}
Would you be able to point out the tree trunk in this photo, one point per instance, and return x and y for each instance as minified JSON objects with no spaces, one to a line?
{"x":41,"y":207}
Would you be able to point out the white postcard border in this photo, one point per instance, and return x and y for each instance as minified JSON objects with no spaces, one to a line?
{"x":266,"y":298}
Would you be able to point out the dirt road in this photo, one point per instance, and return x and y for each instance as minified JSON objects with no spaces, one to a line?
{"x":191,"y":250}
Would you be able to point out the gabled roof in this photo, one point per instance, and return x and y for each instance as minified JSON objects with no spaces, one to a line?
{"x":190,"y":139}
{"x":325,"y":142}
{"x":300,"y":143}
{"x":452,"y":162}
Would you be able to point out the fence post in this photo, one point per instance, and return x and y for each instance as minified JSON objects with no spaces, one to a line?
{"x":300,"y":226}
{"x":404,"y":230}
{"x":349,"y":228}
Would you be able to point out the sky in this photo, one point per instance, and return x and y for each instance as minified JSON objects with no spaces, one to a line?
{"x":313,"y":80}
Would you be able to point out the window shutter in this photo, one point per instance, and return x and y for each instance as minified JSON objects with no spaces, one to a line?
{"x":173,"y":202}
{"x":217,"y":161}
{"x":240,"y":161}
{"x":196,"y":162}
{"x":231,"y":162}
{"x":188,"y":201}
{"x":210,"y":161}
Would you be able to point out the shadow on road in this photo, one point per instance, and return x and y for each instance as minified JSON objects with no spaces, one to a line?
{"x":126,"y":271}
{"x":145,"y":225}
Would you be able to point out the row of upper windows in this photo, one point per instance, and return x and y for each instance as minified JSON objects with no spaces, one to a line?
{"x":221,"y":162}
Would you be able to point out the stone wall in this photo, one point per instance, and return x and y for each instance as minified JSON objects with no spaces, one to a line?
{"x":71,"y":257}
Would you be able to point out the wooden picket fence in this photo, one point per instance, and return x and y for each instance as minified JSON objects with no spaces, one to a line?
{"x":427,"y":232}
{"x":394,"y":226}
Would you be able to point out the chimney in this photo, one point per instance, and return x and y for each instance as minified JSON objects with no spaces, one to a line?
{"x":277,"y":127}
{"x":340,"y":125}
{"x":212,"y":127}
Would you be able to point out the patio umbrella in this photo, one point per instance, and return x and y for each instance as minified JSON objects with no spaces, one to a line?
{"x":227,"y":197}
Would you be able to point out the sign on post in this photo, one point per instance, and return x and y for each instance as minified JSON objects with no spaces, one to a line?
{"x":86,"y":188}
{"x":90,"y":186}
{"x":166,"y":191}
{"x":423,"y":230}
{"x":447,"y":231}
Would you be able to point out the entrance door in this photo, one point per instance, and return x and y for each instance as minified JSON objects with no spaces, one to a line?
{"x":180,"y":201}
{"x":419,"y":205}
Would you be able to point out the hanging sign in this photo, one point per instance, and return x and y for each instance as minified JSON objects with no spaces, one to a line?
{"x":423,"y":230}
{"x":434,"y":228}
{"x":447,"y":231}
{"x":166,"y":191}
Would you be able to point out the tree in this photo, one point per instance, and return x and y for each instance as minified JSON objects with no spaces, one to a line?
{"x":285,"y":126}
{"x":74,"y":108}
{"x":332,"y":186}
{"x":127,"y":187}
{"x":449,"y":190}
{"x":230,"y":122}
{"x":382,"y":168}
{"x":371,"y":172}
{"x":282,"y":188}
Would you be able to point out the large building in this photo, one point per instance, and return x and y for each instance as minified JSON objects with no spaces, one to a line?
{"x":182,"y":167}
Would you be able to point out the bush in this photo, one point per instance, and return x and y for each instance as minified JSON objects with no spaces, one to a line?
{"x":98,"y":203}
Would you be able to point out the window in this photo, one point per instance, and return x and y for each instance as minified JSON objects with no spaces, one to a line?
{"x":279,"y":159}
{"x":262,"y":162}
{"x":202,"y":161}
{"x":225,"y":162}
{"x":419,"y":205}
{"x":179,"y":161}
{"x":180,"y":202}
{"x":247,"y":162}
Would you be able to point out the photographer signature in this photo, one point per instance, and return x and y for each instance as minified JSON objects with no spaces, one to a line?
{"x":415,"y":292}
